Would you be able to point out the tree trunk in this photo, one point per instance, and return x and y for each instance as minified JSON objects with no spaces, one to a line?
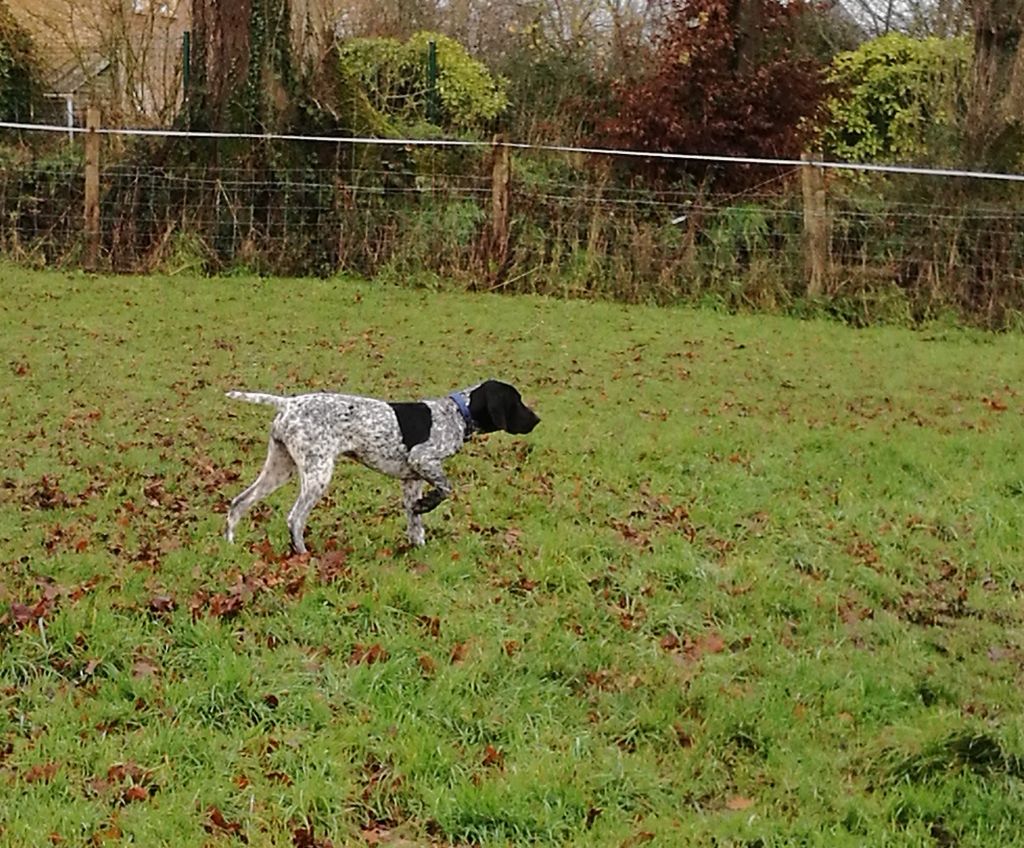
{"x":219,"y":62}
{"x":748,"y":24}
{"x":240,"y":66}
{"x":307,"y":34}
{"x":995,"y":132}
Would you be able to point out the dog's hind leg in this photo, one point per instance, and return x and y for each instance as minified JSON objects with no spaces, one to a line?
{"x":277,"y":468}
{"x":314,"y":475}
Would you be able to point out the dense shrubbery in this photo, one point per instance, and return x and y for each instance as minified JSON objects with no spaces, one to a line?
{"x":724,"y":81}
{"x":393,"y":76}
{"x":898,"y":99}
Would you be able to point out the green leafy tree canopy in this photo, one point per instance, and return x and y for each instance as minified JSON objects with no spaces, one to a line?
{"x":393,"y":76}
{"x":899,"y":99}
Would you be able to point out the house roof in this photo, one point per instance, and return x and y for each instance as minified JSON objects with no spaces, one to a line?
{"x":72,"y":76}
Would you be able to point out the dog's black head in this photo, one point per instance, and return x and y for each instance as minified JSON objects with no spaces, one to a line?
{"x":494,"y":405}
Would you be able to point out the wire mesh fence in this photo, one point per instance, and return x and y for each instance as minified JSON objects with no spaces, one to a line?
{"x":575,"y":226}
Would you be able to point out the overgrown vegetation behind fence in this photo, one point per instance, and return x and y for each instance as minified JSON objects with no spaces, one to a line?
{"x":873,"y":247}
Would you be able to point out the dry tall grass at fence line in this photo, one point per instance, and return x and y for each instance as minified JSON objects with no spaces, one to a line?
{"x":890,"y":247}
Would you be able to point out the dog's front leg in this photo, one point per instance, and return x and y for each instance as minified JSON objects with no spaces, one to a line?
{"x":430,"y":501}
{"x":428,"y":467}
{"x":412,"y":491}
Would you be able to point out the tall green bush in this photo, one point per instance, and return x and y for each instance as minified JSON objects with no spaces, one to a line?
{"x":898,"y":99}
{"x":393,"y":75}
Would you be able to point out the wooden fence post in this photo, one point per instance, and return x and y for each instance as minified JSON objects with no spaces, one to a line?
{"x":501,"y":181}
{"x":816,"y":225}
{"x":92,"y":188}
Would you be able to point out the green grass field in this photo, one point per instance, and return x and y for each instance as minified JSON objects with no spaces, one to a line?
{"x":752,"y":581}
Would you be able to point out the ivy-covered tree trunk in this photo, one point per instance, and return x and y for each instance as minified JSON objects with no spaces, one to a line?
{"x":241,"y":69}
{"x":20,"y":71}
{"x":995,"y":132}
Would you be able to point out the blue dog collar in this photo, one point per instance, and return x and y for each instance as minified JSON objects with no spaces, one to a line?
{"x":463,"y":406}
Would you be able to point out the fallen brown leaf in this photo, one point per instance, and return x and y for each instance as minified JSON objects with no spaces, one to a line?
{"x":41,"y":772}
{"x":738,"y":802}
{"x":217,"y":822}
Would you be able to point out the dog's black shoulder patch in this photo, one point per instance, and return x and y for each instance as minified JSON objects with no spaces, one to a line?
{"x":414,"y":420}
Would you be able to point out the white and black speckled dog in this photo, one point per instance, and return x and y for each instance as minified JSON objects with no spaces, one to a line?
{"x":404,"y":440}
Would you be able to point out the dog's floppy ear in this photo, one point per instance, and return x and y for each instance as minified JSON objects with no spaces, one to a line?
{"x":498,"y":403}
{"x":485,"y":407}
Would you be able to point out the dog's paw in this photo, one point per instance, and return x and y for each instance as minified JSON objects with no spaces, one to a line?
{"x":428,"y":502}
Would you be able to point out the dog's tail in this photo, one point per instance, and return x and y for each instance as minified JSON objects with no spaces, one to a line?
{"x":258,"y":397}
